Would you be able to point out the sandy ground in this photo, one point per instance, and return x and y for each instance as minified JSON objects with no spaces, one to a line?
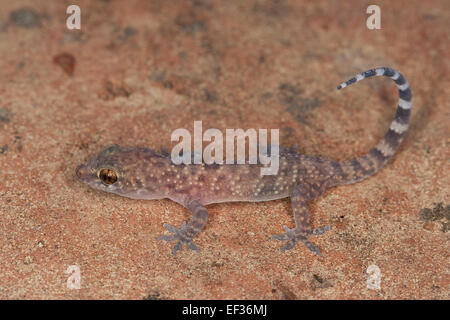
{"x":138,"y":70}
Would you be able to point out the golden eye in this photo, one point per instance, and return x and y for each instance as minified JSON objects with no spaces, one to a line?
{"x":108,"y":176}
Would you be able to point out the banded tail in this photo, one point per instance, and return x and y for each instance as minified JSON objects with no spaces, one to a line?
{"x":360,"y":168}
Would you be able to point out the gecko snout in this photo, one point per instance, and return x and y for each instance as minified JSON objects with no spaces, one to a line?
{"x":81,"y":171}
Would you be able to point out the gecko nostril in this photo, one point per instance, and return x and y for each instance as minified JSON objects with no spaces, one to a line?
{"x":80,"y":171}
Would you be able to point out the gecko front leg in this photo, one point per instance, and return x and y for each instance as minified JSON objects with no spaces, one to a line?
{"x":299,"y":198}
{"x":189,"y":230}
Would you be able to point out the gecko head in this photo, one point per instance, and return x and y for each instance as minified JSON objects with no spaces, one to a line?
{"x":108,"y":170}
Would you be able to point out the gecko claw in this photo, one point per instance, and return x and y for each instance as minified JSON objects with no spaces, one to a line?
{"x":319,"y":231}
{"x":292,"y":237}
{"x":180,"y":235}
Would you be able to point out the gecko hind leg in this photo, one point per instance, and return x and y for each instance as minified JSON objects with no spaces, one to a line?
{"x":189,"y":230}
{"x":302,"y":230}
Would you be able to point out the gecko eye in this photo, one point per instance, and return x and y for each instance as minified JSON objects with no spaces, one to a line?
{"x":108,"y":176}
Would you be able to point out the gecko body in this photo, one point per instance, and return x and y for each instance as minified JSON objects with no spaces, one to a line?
{"x":143,"y":173}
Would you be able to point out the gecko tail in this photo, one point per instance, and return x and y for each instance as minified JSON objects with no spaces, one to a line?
{"x":362,"y":167}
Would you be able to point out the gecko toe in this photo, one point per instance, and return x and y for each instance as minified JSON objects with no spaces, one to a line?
{"x":180,"y":235}
{"x":167,"y":238}
{"x":191,"y":245}
{"x":176,"y":248}
{"x":292,"y":236}
{"x":280,"y":237}
{"x":171,"y":228}
{"x":288,"y":246}
{"x":288,"y":235}
{"x":312,"y":247}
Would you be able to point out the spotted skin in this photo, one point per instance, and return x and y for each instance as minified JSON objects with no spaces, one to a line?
{"x":143,"y":173}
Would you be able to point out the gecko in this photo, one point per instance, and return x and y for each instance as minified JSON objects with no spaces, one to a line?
{"x":143,"y":173}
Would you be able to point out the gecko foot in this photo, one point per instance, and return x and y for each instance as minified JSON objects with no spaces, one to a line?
{"x":292,"y":236}
{"x":181,"y":235}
